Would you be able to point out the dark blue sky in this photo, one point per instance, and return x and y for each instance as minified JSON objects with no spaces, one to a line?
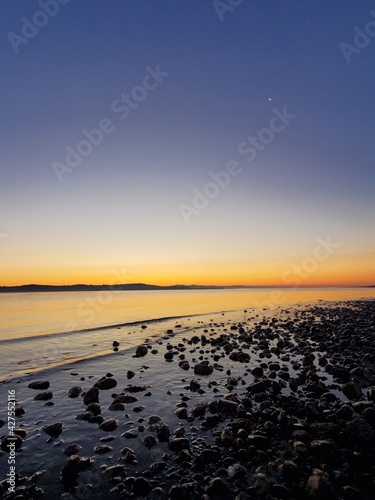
{"x":317,"y":174}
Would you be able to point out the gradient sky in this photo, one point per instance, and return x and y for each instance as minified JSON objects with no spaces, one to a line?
{"x":117,"y":216}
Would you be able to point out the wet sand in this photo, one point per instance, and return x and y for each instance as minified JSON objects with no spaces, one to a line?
{"x":249,"y":404}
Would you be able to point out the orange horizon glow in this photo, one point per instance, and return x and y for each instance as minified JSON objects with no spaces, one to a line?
{"x":338,"y":270}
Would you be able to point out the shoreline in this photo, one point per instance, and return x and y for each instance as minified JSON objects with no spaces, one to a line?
{"x":267,"y":385}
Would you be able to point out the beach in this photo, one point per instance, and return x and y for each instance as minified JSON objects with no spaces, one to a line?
{"x":261,"y":403}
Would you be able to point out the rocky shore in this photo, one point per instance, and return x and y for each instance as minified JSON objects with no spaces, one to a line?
{"x":244,"y":406}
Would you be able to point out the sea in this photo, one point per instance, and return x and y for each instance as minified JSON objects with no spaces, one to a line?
{"x":40,"y":330}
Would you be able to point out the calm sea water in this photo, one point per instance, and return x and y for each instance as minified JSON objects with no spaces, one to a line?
{"x":38,"y":330}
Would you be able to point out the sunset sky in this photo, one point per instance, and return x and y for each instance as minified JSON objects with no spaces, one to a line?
{"x":179,"y":89}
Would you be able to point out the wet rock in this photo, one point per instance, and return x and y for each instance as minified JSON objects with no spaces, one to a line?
{"x":217,"y":486}
{"x":19,"y":411}
{"x":105,"y":384}
{"x":94,"y":408}
{"x":319,"y":488}
{"x":39,"y":385}
{"x":178,"y":444}
{"x":117,"y":407}
{"x":163,"y":432}
{"x":72,"y":449}
{"x":181,"y":413}
{"x":199,"y":409}
{"x":351,"y":391}
{"x":130,"y":374}
{"x":109,"y":425}
{"x":203,"y":368}
{"x":290,"y":471}
{"x":185,"y":365}
{"x":43,"y":396}
{"x":139,"y":408}
{"x":130,"y":434}
{"x":360,"y":431}
{"x":53,"y":430}
{"x":125,"y":398}
{"x":141,"y":351}
{"x":91,"y":396}
{"x":115,"y":343}
{"x":86,"y":416}
{"x":154,"y":419}
{"x":327,"y":451}
{"x":242,"y":357}
{"x":141,"y":486}
{"x":149,"y":441}
{"x":71,"y":469}
{"x":135,"y":388}
{"x":168,"y":356}
{"x":75,"y":391}
{"x":102,"y":448}
{"x":186,"y":491}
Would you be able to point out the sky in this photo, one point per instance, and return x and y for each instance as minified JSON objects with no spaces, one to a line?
{"x":216,"y":142}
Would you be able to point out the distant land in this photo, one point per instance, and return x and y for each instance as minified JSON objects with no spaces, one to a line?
{"x":134,"y":286}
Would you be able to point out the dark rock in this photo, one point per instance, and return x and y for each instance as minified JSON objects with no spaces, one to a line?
{"x":115,"y":343}
{"x":141,"y":351}
{"x":360,"y":431}
{"x":75,"y":391}
{"x":217,"y":487}
{"x":163,"y":432}
{"x":199,"y":409}
{"x":43,"y":396}
{"x":185,"y":365}
{"x":351,"y":391}
{"x":130,"y":434}
{"x":105,"y":384}
{"x":72,"y":449}
{"x":178,"y":444}
{"x":53,"y":429}
{"x":319,"y":488}
{"x":136,"y":388}
{"x":203,"y":368}
{"x":149,"y":441}
{"x":91,"y":396}
{"x":94,"y":408}
{"x":141,"y":487}
{"x":19,"y":411}
{"x":102,"y":448}
{"x":39,"y":385}
{"x":181,"y":413}
{"x":242,"y":357}
{"x":86,"y":416}
{"x":109,"y":425}
{"x":130,"y":374}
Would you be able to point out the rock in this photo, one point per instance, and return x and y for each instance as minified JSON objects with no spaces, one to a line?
{"x":319,"y":488}
{"x":139,"y":408}
{"x":242,"y":357}
{"x":115,"y":343}
{"x":125,"y":398}
{"x":178,"y":444}
{"x":327,"y":451}
{"x":141,"y":351}
{"x":39,"y":385}
{"x":257,"y":371}
{"x":94,"y":408}
{"x":163,"y":432}
{"x":186,"y":491}
{"x":351,"y":391}
{"x":117,"y":407}
{"x":43,"y":396}
{"x":86,"y":416}
{"x":53,"y":429}
{"x":130,"y":434}
{"x":102,"y":448}
{"x":290,"y":471}
{"x":217,"y":487}
{"x":75,"y":391}
{"x":130,"y":374}
{"x":149,"y":441}
{"x":105,"y":384}
{"x":136,"y":388}
{"x":19,"y":411}
{"x":168,"y":356}
{"x":91,"y":396}
{"x":181,"y":413}
{"x":154,"y":419}
{"x":184,"y":365}
{"x":141,"y":486}
{"x":71,"y":469}
{"x":72,"y":449}
{"x":360,"y":431}
{"x":109,"y":425}
{"x":203,"y":368}
{"x":199,"y":409}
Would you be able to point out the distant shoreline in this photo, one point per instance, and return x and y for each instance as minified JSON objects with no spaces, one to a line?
{"x":144,"y":286}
